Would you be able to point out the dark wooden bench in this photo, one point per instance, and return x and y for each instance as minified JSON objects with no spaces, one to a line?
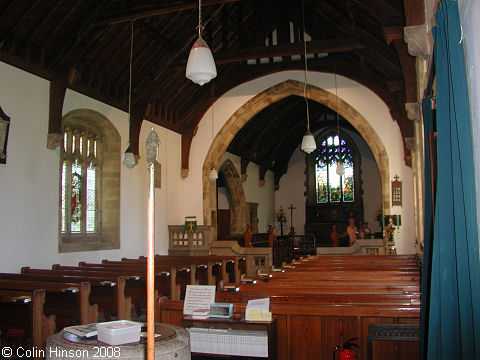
{"x":310,"y":295}
{"x":63,"y":299}
{"x":307,"y":330}
{"x":329,"y":288}
{"x":319,"y":306}
{"x":25,"y":310}
{"x":234,"y":266}
{"x":169,"y":281}
{"x":107,"y":289}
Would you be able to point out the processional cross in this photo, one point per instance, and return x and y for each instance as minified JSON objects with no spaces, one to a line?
{"x":291,"y":208}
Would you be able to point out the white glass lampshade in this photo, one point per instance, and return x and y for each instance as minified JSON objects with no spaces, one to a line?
{"x":308,"y":143}
{"x":128,"y":159}
{"x":200,"y":65}
{"x":213,"y":175}
{"x":340,"y":169}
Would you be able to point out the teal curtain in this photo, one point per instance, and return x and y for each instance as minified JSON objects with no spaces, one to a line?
{"x":454,"y":314}
{"x":428,"y":202}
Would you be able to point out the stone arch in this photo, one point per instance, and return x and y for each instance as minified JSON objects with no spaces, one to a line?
{"x":238,"y":208}
{"x":276,"y":93}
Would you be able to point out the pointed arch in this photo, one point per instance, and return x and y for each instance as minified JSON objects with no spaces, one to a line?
{"x":238,"y":208}
{"x":275,"y":93}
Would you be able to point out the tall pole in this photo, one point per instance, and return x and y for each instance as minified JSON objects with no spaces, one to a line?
{"x":151,"y":145}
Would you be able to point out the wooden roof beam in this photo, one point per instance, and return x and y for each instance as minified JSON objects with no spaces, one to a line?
{"x":313,"y":47}
{"x":154,"y":90}
{"x":142,"y":14}
{"x":72,"y":53}
{"x":154,"y":34}
{"x":382,"y":10}
{"x":376,"y":46}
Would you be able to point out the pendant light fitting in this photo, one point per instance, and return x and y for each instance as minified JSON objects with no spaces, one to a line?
{"x":340,"y":169}
{"x":212,"y":174}
{"x":129,"y":159}
{"x":308,"y":141}
{"x":200,"y":65}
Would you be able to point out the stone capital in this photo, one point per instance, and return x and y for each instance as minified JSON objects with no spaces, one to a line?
{"x":411,"y":143}
{"x":54,"y":140}
{"x":416,"y":38}
{"x":413,"y":111}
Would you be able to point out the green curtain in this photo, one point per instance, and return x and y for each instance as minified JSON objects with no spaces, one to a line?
{"x":454,"y":314}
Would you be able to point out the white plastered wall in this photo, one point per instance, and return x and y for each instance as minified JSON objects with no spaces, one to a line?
{"x":29,"y":195}
{"x":370,"y":106}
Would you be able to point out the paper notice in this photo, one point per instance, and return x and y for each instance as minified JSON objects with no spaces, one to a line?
{"x":198,"y":297}
{"x":258,"y":310}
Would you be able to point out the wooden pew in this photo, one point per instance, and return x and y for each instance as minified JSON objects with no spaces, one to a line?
{"x":310,"y":330}
{"x":201,"y":272}
{"x":232,"y":267}
{"x":24,"y":309}
{"x":318,"y":306}
{"x":62,"y":298}
{"x":107,"y":289}
{"x":379,"y":260}
{"x":295,"y":296}
{"x":235,"y":266}
{"x":327,"y":288}
{"x":184,"y":274}
{"x":169,"y":281}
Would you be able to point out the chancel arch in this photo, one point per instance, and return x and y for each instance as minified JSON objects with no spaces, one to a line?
{"x":276,"y":93}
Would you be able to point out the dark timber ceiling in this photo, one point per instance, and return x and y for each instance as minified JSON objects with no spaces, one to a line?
{"x":85,"y":46}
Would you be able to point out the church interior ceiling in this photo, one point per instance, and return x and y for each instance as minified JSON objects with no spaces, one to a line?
{"x":85,"y":46}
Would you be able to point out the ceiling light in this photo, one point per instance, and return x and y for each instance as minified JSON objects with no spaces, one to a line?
{"x":340,"y":169}
{"x":200,"y":65}
{"x":213,"y":174}
{"x":308,"y":141}
{"x":129,"y":159}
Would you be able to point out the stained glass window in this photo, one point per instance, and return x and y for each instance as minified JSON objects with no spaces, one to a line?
{"x":79,"y":192}
{"x":331,"y":187}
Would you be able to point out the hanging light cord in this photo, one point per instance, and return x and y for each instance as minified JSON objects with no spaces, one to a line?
{"x":130,"y":79}
{"x":212,"y":126}
{"x":336,"y":110}
{"x":305,"y":73}
{"x":199,"y":18}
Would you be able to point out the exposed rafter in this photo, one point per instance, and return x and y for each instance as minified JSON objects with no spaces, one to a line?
{"x":84,"y":46}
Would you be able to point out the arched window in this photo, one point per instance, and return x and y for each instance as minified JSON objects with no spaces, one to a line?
{"x":89,"y":183}
{"x":329,"y":186}
{"x":332,"y":198}
{"x":81,"y":164}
